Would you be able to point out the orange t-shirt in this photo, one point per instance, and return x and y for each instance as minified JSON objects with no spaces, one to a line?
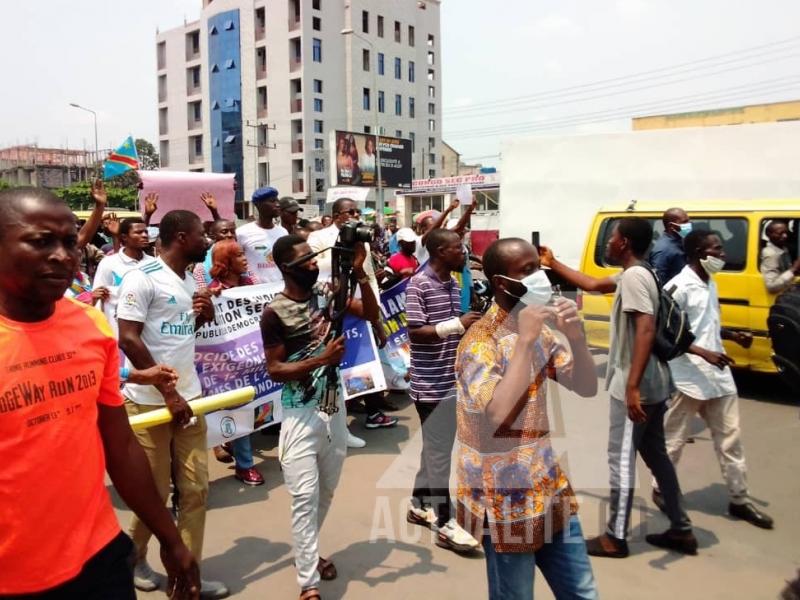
{"x":55,"y":512}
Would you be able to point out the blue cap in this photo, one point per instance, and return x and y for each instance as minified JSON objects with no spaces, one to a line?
{"x":265,"y":193}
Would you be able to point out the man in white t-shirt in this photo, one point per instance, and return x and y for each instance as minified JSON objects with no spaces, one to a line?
{"x":134,"y":239}
{"x":703,"y":378}
{"x":258,"y":237}
{"x":158,"y":313}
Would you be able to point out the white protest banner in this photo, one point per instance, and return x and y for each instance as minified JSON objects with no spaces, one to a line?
{"x":360,"y":371}
{"x":464,"y":194}
{"x":356,"y":194}
{"x":229,"y":355}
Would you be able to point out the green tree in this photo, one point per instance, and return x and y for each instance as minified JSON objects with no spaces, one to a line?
{"x":78,"y":196}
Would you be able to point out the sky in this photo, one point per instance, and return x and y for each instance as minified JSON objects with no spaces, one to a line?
{"x":509,"y":67}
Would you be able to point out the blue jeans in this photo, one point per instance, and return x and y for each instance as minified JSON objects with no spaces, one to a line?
{"x":563,"y":562}
{"x":243,"y":452}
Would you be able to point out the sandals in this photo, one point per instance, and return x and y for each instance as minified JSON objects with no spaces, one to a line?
{"x":326,"y":569}
{"x":310,"y":594}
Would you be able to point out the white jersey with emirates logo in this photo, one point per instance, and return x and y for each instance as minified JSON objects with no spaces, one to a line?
{"x":156,"y":296}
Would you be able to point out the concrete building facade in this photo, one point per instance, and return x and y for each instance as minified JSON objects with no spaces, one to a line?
{"x":255,"y":88}
{"x":45,"y":167}
{"x":738,"y":115}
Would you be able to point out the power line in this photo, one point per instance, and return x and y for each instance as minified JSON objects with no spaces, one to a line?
{"x":610,"y":82}
{"x":625,"y":90}
{"x":667,"y":105}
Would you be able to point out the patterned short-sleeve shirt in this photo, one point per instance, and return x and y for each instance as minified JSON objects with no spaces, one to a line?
{"x":509,"y":475}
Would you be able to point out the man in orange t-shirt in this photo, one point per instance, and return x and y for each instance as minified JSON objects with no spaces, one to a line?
{"x":61,"y":415}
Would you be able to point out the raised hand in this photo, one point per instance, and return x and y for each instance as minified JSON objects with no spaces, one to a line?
{"x":209,"y":200}
{"x":98,"y":192}
{"x":150,"y":203}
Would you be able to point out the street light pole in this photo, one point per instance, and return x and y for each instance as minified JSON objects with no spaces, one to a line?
{"x":94,"y":114}
{"x":379,"y":200}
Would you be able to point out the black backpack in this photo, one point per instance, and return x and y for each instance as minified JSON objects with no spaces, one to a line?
{"x":673,"y":335}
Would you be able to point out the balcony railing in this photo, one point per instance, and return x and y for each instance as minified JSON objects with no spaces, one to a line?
{"x":295,"y":64}
{"x":261,"y":112}
{"x":294,"y":23}
{"x":297,"y":186}
{"x":296,"y":105}
{"x":297,"y":146}
{"x":261,"y":33}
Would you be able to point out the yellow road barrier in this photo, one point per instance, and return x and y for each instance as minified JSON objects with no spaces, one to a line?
{"x":200,"y":406}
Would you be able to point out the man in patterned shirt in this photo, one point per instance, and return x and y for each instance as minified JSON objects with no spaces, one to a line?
{"x":512,"y":493}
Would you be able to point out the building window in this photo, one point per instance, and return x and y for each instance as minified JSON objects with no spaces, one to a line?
{"x":431,"y":125}
{"x":380,"y":63}
{"x":398,"y":105}
{"x":411,"y":35}
{"x":431,"y":158}
{"x":316,"y":23}
{"x":317,"y":104}
{"x":413,"y":172}
{"x":398,"y":68}
{"x":413,"y":137}
{"x":397,"y":35}
{"x":319,"y":144}
{"x":431,"y":108}
{"x":431,"y":75}
{"x":317,"y":50}
{"x":315,"y":4}
{"x":431,"y":92}
{"x":198,"y":146}
{"x":431,"y":143}
{"x":431,"y":41}
{"x":365,"y":21}
{"x":365,"y":99}
{"x":380,"y":26}
{"x":412,"y":109}
{"x":431,"y":59}
{"x":319,"y":165}
{"x":196,"y":77}
{"x":431,"y":173}
{"x":365,"y":59}
{"x":317,"y":86}
{"x":161,"y":54}
{"x":319,"y":185}
{"x":398,"y":133}
{"x":318,"y":127}
{"x":381,"y":101}
{"x":367,"y":129}
{"x":411,"y":74}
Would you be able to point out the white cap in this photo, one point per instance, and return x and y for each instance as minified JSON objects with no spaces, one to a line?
{"x":406,"y":234}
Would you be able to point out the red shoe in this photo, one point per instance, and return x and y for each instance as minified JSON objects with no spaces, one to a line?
{"x":249,"y":476}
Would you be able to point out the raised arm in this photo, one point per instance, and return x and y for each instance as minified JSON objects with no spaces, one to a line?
{"x":442,"y":219}
{"x":150,"y":207}
{"x":461,"y":226}
{"x":587,"y":283}
{"x":211,"y":203}
{"x":582,"y":375}
{"x":89,"y":229}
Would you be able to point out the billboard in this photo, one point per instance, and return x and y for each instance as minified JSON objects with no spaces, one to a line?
{"x":354,"y":158}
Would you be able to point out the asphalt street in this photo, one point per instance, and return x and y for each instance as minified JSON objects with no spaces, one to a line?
{"x":379,"y":555}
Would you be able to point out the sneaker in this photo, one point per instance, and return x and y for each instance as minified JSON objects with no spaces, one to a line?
{"x":144,"y":578}
{"x":421,"y":516}
{"x":453,"y":537}
{"x":379,"y":420}
{"x":355,"y":442}
{"x":679,"y":541}
{"x":249,"y":476}
{"x":748,"y":512}
{"x":212,"y":590}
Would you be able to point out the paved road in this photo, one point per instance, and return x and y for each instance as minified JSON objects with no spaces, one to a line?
{"x":248,"y":539}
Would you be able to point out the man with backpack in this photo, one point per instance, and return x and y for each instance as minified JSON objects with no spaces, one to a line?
{"x":705,"y":383}
{"x":639,"y":384}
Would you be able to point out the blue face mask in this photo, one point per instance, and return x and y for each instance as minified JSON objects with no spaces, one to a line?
{"x":684,"y":229}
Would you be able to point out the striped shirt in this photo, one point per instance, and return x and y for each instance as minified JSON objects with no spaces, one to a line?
{"x":430,"y":301}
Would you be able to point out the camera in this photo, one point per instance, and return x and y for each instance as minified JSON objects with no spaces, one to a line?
{"x":353,"y":232}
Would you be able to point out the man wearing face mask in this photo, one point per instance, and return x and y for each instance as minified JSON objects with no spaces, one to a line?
{"x":512,"y":493}
{"x":639,"y":384}
{"x":435,"y":326}
{"x":704,"y":380}
{"x":667,"y":256}
{"x":312,"y":444}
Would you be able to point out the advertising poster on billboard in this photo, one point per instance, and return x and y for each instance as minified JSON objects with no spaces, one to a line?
{"x":355,"y":158}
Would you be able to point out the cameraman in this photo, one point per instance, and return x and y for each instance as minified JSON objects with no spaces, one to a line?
{"x":312,"y":444}
{"x":343,"y":211}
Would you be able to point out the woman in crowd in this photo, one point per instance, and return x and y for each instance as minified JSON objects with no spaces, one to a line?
{"x":229,"y":270}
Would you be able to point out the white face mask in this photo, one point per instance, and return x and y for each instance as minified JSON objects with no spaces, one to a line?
{"x":712,"y":264}
{"x":538,"y":290}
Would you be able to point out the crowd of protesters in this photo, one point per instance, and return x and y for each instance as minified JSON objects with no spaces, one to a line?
{"x":477,"y":378}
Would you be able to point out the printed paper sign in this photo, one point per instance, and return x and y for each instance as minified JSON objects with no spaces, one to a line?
{"x":464,"y":194}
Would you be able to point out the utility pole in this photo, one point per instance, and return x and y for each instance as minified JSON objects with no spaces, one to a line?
{"x":256,"y":144}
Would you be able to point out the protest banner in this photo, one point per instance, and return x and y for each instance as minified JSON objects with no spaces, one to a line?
{"x":360,"y":372}
{"x":182,"y":190}
{"x":229,"y":355}
{"x":393,"y":311}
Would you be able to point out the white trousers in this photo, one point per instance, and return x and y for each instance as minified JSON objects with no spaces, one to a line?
{"x":721,"y":415}
{"x":312,"y":452}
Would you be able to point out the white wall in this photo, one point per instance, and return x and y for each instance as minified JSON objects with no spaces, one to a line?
{"x":556,"y":184}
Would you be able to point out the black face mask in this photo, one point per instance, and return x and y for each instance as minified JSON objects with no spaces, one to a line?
{"x":305,"y":278}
